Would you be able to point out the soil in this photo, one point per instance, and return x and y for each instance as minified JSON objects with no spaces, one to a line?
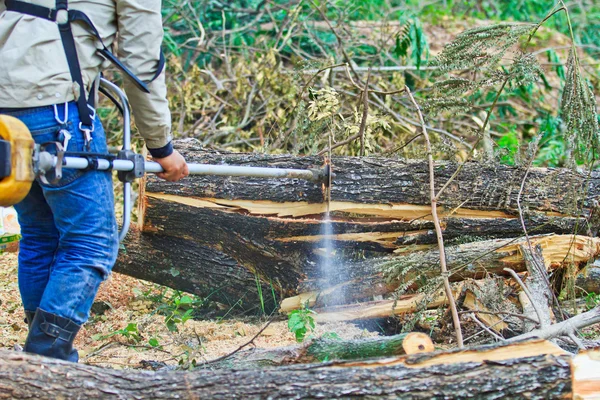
{"x":125,"y":301}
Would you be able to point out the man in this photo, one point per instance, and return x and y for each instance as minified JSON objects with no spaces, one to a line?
{"x":49,"y":69}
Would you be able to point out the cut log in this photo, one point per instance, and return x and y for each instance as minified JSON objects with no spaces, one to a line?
{"x":471,"y":260}
{"x":535,"y":369}
{"x":322,"y":349}
{"x":237,"y":240}
{"x":384,"y":308}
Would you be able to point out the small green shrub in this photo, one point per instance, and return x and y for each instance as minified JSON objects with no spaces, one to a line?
{"x":130,"y":332}
{"x":301,"y":322}
{"x":592,"y":300}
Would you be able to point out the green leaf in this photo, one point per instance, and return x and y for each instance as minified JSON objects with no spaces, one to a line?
{"x":402,"y":44}
{"x":509,"y":143}
{"x":153,"y":342}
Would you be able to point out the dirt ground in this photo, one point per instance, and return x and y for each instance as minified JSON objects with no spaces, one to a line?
{"x":199,"y":340}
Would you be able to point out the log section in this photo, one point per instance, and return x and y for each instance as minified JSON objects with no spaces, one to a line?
{"x":523,"y":370}
{"x":241,"y":241}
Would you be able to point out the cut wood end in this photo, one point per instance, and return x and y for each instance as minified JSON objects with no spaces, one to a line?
{"x":417,"y":342}
{"x":556,"y":249}
{"x":585,"y":372}
{"x":296,"y":302}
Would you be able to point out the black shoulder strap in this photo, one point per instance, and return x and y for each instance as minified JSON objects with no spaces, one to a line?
{"x":68,"y":42}
{"x":85,"y":107}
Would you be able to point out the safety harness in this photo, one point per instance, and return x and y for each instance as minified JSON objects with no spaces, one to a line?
{"x":85,"y":104}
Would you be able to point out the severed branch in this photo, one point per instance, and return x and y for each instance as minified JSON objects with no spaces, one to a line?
{"x":438,"y":228}
{"x":564,"y":328}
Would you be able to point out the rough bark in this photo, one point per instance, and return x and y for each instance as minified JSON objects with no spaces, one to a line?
{"x":377,"y":180}
{"x":589,"y":281}
{"x":523,"y":370}
{"x":243,"y":241}
{"x":537,"y":285}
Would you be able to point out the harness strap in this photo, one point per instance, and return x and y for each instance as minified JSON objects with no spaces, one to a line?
{"x":68,"y":42}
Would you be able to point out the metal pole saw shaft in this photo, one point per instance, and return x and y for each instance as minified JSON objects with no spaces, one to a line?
{"x":48,"y":161}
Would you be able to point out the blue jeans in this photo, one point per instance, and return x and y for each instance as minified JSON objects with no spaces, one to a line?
{"x":69,"y":230}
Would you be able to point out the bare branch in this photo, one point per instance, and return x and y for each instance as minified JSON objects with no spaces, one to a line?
{"x":438,"y":227}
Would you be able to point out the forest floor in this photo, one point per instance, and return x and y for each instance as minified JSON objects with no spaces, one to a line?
{"x":124,"y":302}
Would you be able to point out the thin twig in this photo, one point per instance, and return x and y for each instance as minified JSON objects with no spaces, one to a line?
{"x":438,"y":228}
{"x":372,"y":91}
{"x":251,"y":341}
{"x":485,"y":328}
{"x":565,"y":327}
{"x":502,"y":313}
{"x":404,"y":144}
{"x":365,"y":115}
{"x":339,"y":40}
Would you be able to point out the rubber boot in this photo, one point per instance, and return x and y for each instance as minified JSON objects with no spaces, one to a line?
{"x":51,"y":335}
{"x":29,"y":318}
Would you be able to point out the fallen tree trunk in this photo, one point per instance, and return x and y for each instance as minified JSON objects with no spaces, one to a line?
{"x":322,"y":349}
{"x":243,"y":241}
{"x":535,"y":369}
{"x":471,"y":260}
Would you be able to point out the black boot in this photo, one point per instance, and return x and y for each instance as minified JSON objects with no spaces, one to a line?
{"x":29,"y":318}
{"x":52,"y":336}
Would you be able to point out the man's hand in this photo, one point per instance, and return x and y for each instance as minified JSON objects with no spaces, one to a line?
{"x":174,"y":166}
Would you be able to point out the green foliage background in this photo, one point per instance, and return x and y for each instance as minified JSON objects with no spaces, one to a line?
{"x":241,"y":76}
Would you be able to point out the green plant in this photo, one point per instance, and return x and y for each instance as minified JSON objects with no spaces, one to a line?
{"x":130,"y":332}
{"x":509,"y":146}
{"x":187,"y":360}
{"x":176,"y":306}
{"x":301,"y":322}
{"x":592,"y":300}
{"x":179,"y":311}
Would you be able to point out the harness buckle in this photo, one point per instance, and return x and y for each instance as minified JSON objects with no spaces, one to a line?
{"x":87,"y":134}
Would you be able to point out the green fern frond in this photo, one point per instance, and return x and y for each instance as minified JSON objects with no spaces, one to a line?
{"x":403,"y":40}
{"x":578,"y":109}
{"x":481,"y":47}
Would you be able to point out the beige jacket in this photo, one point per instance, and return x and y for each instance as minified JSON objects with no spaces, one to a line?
{"x":34,"y":70}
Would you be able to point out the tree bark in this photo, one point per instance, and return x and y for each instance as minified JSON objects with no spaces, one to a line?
{"x":535,"y":370}
{"x":471,"y":260}
{"x":322,"y":349}
{"x":247,"y":242}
